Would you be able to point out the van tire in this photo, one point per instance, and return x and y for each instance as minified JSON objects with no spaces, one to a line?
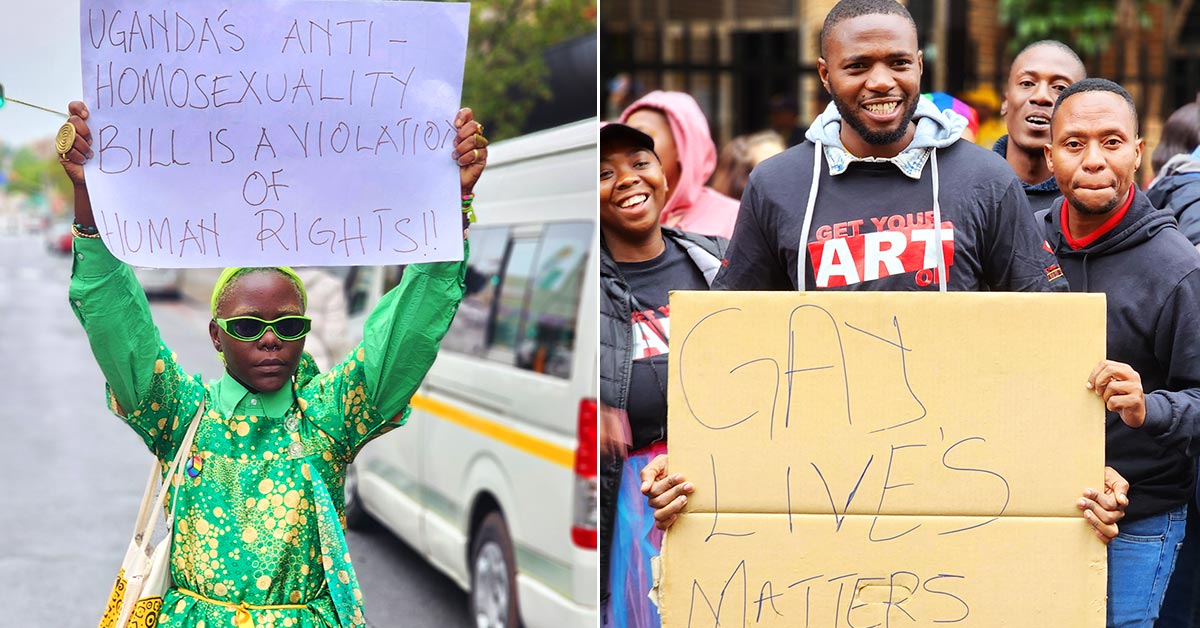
{"x":493,"y":575}
{"x":356,"y":516}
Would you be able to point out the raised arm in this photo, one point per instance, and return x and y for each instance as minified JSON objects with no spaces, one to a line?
{"x":402,"y":335}
{"x":110,"y":304}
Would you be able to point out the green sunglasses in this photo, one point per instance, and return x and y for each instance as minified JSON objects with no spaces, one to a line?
{"x":251,"y":328}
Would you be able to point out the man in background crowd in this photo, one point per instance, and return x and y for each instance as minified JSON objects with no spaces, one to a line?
{"x":784,"y":115}
{"x":1039,"y":73}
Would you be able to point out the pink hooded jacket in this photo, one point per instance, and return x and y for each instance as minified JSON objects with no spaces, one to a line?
{"x":693,"y":206}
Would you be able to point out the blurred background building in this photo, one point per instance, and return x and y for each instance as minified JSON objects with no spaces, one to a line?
{"x":735,"y":57}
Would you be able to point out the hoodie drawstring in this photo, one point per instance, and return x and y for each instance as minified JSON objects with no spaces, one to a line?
{"x":937,"y":226}
{"x":802,"y":258}
{"x":802,"y":249}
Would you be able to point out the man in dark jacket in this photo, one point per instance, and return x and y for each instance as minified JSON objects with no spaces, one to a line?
{"x":1110,"y":239}
{"x":1039,"y":73}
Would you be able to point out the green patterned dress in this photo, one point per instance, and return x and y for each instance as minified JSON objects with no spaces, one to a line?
{"x":258,"y":538}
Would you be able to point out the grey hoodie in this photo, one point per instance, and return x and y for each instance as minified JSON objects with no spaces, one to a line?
{"x":869,"y":224}
{"x":935,"y":129}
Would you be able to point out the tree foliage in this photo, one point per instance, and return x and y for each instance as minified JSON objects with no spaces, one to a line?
{"x":30,"y":174}
{"x":505,"y":74}
{"x":505,"y":78}
{"x":1088,"y":27}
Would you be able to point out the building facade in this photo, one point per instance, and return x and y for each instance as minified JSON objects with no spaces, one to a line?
{"x":734,"y":56}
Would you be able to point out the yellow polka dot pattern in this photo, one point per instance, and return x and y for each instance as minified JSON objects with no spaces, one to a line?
{"x":259,"y":525}
{"x":248,"y":527}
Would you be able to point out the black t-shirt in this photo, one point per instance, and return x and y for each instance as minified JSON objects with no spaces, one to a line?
{"x":872,"y":227}
{"x":650,"y":282}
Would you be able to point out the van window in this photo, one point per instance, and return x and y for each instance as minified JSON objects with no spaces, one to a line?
{"x":470,"y":332}
{"x":551,"y":316}
{"x":357,"y":284}
{"x":513,"y":300}
{"x":523,"y":293}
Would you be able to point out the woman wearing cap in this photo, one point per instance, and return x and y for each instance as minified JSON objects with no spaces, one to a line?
{"x":255,"y":538}
{"x":641,"y":261}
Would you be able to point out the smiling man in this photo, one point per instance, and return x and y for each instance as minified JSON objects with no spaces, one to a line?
{"x":1039,"y":73}
{"x":882,"y":195}
{"x":1110,"y":239}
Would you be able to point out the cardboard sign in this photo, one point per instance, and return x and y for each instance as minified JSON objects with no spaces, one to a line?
{"x":884,"y":459}
{"x":270,"y":132}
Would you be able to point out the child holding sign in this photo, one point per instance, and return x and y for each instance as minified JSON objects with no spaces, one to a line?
{"x":255,"y":541}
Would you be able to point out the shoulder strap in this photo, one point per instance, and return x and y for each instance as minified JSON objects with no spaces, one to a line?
{"x":147,"y":522}
{"x":139,"y":524}
{"x":185,"y":448}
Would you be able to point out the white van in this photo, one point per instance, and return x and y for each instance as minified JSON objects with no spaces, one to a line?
{"x":493,"y":479}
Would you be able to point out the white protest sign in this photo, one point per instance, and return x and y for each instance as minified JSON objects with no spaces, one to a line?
{"x":271,"y":132}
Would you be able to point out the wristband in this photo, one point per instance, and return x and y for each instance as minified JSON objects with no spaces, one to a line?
{"x":80,"y":231}
{"x":468,"y":211}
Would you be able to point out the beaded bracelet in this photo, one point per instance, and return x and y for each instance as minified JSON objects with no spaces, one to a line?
{"x":467,"y":210}
{"x":80,"y":231}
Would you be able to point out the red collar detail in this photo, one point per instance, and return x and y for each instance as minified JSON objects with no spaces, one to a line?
{"x":1101,"y":230}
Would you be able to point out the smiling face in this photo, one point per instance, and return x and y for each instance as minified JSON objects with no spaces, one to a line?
{"x":872,"y":69}
{"x":266,"y":364}
{"x":1038,"y":76}
{"x":1094,"y":151}
{"x":633,"y":191}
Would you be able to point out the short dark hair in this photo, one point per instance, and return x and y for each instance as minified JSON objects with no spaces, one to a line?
{"x":1096,"y":85}
{"x":847,"y":9}
{"x":1057,"y":45}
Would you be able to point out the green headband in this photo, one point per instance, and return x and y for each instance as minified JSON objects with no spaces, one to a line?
{"x":229,"y":274}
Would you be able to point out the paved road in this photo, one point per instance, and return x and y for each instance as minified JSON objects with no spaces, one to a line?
{"x":71,"y":474}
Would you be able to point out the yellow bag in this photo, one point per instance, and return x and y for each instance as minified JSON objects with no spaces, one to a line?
{"x":145,"y":574}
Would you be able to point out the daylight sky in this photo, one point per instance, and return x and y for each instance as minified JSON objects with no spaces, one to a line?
{"x":39,"y":63}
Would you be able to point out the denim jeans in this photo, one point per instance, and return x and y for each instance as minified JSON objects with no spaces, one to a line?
{"x":1140,"y":562}
{"x":1181,"y":606}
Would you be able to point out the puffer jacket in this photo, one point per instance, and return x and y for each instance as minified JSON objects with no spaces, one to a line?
{"x":1177,"y":190}
{"x":616,"y":359}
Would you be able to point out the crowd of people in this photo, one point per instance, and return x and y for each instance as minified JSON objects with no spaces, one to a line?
{"x":1057,"y":189}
